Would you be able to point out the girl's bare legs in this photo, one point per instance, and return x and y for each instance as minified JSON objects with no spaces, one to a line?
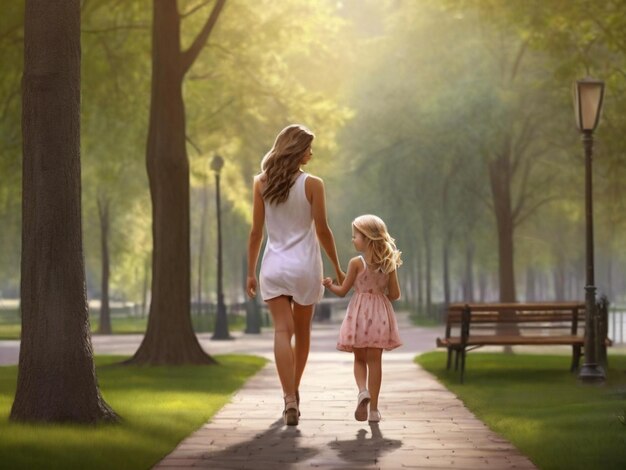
{"x":282,"y":315}
{"x":302,"y":317}
{"x":374,"y":366}
{"x":360,"y":367}
{"x":360,"y":375}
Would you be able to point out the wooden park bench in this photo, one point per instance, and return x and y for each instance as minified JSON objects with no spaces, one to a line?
{"x":470,"y":326}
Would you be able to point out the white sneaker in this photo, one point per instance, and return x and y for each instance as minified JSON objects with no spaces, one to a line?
{"x":360,"y":414}
{"x":374,"y":416}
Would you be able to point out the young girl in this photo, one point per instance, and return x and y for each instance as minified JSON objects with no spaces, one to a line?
{"x":370,"y":323}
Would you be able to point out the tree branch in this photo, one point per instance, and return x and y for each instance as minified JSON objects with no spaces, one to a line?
{"x":191,"y":54}
{"x":7,"y":103}
{"x":521,"y":200}
{"x":533,"y":208}
{"x":518,"y":60}
{"x":488,"y":202}
{"x":522,"y":142}
{"x":191,"y":142}
{"x":195,"y":9}
{"x":620,"y":45}
{"x":10,"y":31}
{"x":115,"y":28}
{"x":203,"y":76}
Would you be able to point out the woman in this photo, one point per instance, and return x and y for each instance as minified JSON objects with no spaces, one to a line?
{"x":292,"y":205}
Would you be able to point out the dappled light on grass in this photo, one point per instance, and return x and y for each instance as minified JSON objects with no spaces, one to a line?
{"x":159,"y":406}
{"x":536,"y":403}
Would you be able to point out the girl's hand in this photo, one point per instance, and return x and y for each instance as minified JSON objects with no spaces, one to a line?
{"x":327,"y":282}
{"x":251,"y":284}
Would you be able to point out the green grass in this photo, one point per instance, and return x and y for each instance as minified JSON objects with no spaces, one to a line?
{"x":159,"y":405}
{"x":422,"y":320}
{"x":537,"y":404}
{"x":10,"y":323}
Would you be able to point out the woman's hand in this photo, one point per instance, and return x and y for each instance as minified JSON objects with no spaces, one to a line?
{"x":340,"y":276}
{"x":251,"y":284}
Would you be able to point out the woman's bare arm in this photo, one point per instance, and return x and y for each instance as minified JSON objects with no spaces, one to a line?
{"x":256,"y":236}
{"x":314,"y":188}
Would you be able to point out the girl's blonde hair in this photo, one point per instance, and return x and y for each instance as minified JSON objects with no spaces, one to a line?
{"x":281,"y":164}
{"x":382,"y":249}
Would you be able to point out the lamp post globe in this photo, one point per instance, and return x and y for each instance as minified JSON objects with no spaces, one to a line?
{"x":588,"y":101}
{"x":221,"y":320}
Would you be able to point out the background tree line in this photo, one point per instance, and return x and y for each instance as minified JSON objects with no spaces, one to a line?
{"x":453,"y":121}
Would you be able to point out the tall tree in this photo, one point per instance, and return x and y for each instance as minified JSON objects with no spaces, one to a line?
{"x":56,"y":376}
{"x":170,"y":338}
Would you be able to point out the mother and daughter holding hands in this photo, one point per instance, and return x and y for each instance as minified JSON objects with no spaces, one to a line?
{"x":291,"y":205}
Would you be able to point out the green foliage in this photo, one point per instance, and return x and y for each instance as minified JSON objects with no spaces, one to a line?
{"x":246,"y":85}
{"x":410,"y":101}
{"x":446,"y":88}
{"x":537,"y":404}
{"x":159,"y":407}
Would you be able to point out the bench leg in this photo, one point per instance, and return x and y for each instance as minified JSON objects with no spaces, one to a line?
{"x":456,"y":360}
{"x":462,"y":364}
{"x":449,"y":359}
{"x":575,"y":358}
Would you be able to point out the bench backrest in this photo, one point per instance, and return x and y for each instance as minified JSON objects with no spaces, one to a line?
{"x":565,"y":315}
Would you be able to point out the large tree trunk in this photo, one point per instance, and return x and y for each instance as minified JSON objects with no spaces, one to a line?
{"x":482,"y":287}
{"x":419,"y":279}
{"x":170,"y":338}
{"x":559,"y":283}
{"x":428,"y":264}
{"x":56,"y":377}
{"x":501,"y":180}
{"x":201,"y":248}
{"x":531,"y":291}
{"x":105,"y":311}
{"x":446,"y":270}
{"x":500,"y":175}
{"x":609,"y":275}
{"x":144,"y":290}
{"x":468,"y":285}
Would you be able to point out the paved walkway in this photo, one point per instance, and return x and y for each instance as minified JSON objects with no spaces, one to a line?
{"x":424,"y":425}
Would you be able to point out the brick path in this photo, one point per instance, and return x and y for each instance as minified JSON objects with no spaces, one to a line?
{"x":424,"y":426}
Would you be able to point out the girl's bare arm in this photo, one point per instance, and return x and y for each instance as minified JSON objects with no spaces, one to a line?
{"x":354,"y":267}
{"x":393,"y":287}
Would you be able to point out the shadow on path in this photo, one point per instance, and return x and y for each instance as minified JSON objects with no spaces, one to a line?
{"x":364,"y":449}
{"x":279,"y":447}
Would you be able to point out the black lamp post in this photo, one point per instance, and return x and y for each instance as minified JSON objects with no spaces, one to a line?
{"x":221,"y":320}
{"x":588,"y":98}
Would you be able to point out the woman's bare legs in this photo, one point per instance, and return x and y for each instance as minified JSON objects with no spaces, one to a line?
{"x":302,"y":317}
{"x":282,"y":316}
{"x":375,"y":376}
{"x":360,"y":367}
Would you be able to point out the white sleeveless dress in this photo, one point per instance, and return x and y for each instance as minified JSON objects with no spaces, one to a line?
{"x":292,"y":261}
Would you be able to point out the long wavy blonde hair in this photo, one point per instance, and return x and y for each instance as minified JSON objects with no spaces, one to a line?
{"x":280,"y":165}
{"x":381,"y":249}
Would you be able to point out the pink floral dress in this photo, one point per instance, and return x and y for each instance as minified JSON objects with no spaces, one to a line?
{"x":370,"y":321}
